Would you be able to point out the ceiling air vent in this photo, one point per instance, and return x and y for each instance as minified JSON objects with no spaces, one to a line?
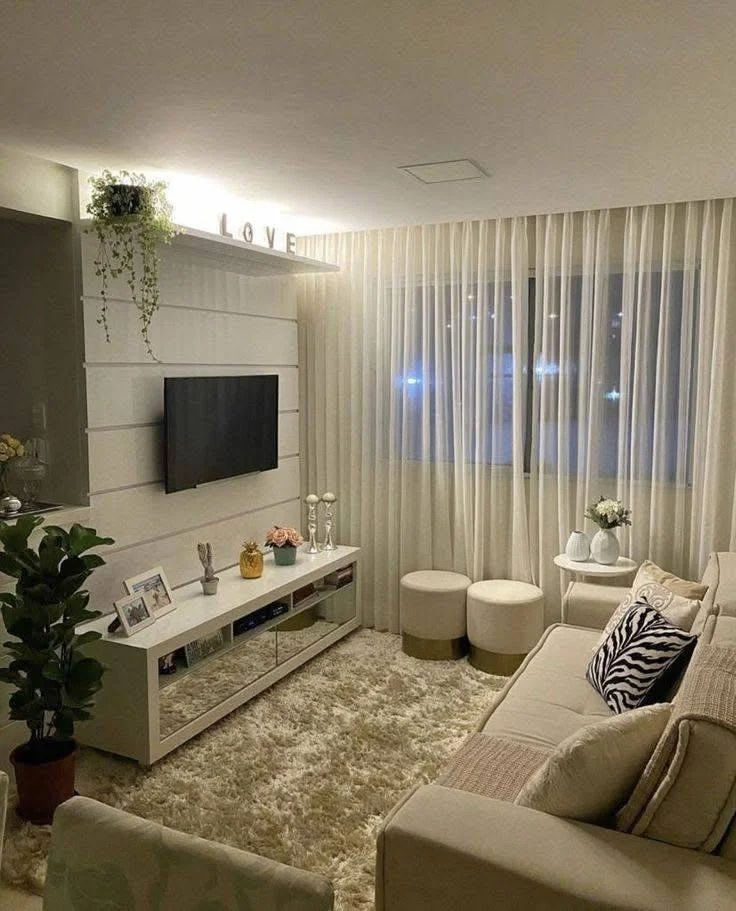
{"x":445,"y":171}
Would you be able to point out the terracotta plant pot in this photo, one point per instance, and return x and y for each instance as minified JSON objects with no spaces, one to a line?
{"x":42,"y":786}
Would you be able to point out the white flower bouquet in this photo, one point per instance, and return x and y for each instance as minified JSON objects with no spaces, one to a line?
{"x":608,"y":513}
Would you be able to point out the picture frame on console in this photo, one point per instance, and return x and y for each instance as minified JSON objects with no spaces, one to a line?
{"x":154,"y":583}
{"x":135,"y":612}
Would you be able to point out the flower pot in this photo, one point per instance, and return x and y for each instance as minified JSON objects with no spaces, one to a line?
{"x":43,"y":785}
{"x":124,"y":199}
{"x":578,"y":547}
{"x":209,"y":586}
{"x":605,"y":547}
{"x":284,"y":556}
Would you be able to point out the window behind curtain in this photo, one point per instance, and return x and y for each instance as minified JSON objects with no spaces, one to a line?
{"x":457,"y":345}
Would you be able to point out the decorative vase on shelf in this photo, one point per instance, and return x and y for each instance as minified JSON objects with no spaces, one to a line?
{"x":578,"y":547}
{"x":9,"y":505}
{"x":604,"y":547}
{"x":284,"y":555}
{"x":284,"y":541}
{"x":32,"y":471}
{"x":251,"y":561}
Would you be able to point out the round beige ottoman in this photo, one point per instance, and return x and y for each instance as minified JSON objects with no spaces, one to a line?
{"x":433,"y":614}
{"x":505,"y":621}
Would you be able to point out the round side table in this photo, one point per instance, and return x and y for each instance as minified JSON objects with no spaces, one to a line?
{"x":622,"y":567}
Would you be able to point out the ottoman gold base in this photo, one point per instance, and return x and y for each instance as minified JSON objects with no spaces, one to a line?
{"x":494,"y":662}
{"x":434,"y":649}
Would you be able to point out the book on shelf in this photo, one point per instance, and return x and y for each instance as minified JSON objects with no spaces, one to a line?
{"x":301,"y":594}
{"x":339,"y":577}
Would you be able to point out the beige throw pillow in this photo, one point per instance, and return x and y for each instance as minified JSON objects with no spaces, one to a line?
{"x":693,"y":591}
{"x":681,"y":611}
{"x":592,"y":773}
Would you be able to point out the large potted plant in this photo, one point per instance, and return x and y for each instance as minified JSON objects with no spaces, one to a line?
{"x":53,"y":680}
{"x":131,"y":216}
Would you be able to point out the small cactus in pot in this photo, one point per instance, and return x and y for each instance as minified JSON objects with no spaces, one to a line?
{"x":209,"y":580}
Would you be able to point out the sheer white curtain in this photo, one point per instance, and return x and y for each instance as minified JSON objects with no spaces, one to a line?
{"x":468,"y":388}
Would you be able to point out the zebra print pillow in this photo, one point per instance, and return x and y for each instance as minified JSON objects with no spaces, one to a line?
{"x":640,"y":655}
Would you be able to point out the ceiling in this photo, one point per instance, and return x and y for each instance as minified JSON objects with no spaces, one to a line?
{"x":312,"y":105}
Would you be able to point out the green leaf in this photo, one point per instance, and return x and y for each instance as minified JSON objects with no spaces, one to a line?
{"x":85,"y":671}
{"x":10,"y":565}
{"x":60,"y":534}
{"x":41,"y":593}
{"x":85,"y":638}
{"x":14,"y":538}
{"x":54,"y":672}
{"x":93,"y":561}
{"x":50,"y":555}
{"x":70,"y":584}
{"x":81,"y":539}
{"x":10,"y":676}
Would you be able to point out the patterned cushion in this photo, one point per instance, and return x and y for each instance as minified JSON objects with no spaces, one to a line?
{"x":638,"y":658}
{"x":665,"y":593}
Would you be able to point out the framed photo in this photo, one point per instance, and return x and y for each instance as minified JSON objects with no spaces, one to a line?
{"x":155,"y":583}
{"x":135,"y":612}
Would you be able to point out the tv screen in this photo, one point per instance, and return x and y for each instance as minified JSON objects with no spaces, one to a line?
{"x":218,"y":427}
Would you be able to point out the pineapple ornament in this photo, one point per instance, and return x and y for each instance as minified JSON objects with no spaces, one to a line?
{"x":251,"y":561}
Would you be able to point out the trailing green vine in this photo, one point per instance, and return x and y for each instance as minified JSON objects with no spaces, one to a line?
{"x":131,"y":216}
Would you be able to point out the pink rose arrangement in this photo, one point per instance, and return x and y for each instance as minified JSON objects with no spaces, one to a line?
{"x":280,"y":536}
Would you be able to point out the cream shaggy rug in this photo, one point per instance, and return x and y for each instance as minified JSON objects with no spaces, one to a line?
{"x":302,"y":774}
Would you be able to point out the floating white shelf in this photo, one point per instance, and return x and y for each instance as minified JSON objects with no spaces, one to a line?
{"x":252,"y":258}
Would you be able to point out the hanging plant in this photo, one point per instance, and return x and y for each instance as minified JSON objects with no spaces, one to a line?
{"x":131,"y":216}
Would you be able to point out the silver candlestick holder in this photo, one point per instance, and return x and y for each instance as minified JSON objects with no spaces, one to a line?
{"x":329,"y":499}
{"x":312,"y":501}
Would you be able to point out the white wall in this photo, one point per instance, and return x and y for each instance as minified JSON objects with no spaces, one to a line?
{"x":212,"y":321}
{"x":40,"y":187}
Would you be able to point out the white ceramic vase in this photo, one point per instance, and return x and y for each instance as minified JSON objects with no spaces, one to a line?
{"x":578,"y":547}
{"x":605,"y":547}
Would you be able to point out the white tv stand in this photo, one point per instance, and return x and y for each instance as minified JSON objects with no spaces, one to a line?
{"x":144,"y":715}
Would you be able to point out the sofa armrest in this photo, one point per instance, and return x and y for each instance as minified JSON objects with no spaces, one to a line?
{"x":443,"y":849}
{"x":591,"y":605}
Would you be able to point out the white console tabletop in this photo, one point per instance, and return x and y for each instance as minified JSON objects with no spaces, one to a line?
{"x":197,"y":614}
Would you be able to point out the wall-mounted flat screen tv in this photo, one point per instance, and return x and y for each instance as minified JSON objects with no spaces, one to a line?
{"x":219,"y":427}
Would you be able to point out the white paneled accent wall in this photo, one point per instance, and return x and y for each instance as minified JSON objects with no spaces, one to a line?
{"x":213,"y":321}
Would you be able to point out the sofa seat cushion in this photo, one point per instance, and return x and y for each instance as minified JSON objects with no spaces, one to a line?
{"x":549,"y":697}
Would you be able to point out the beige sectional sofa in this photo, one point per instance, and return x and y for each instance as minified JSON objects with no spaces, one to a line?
{"x":449,"y":845}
